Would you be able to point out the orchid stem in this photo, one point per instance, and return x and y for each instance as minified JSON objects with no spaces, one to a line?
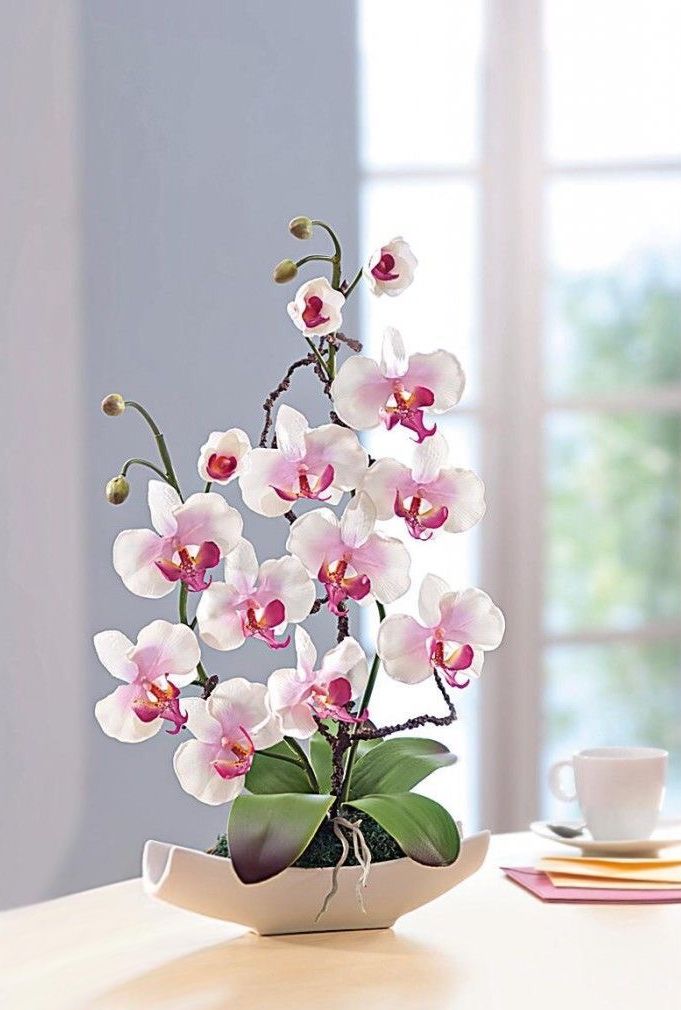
{"x":337,"y":254}
{"x":201,"y":675}
{"x":318,"y":356}
{"x":182,"y":604}
{"x":142,"y":462}
{"x":331,"y":362}
{"x":366,"y":698}
{"x":208,"y":487}
{"x":353,"y":285}
{"x":313,"y":257}
{"x":170,"y":476}
{"x":304,"y":761}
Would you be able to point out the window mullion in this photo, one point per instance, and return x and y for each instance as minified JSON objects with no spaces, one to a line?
{"x":511,"y":310}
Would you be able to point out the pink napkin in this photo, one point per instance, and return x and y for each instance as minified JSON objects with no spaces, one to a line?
{"x":539,"y":884}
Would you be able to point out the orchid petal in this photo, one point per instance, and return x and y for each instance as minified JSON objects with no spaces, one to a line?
{"x":208,"y":517}
{"x":329,"y":302}
{"x":264,"y":470}
{"x":163,"y":500}
{"x":112,"y":648}
{"x":116,"y":717}
{"x":234,"y":444}
{"x":330,"y":443}
{"x":399,"y":277}
{"x":165,"y":649}
{"x":347,"y":660}
{"x":382,"y":480}
{"x":429,"y":458}
{"x":394,"y":361}
{"x":200,"y":722}
{"x":219,"y":622}
{"x":305,"y":651}
{"x":240,"y":703}
{"x":285,"y":579}
{"x":402,"y":646}
{"x":470,"y":616}
{"x":290,"y":428}
{"x":386,"y":561}
{"x":135,"y":553}
{"x":193,"y":767}
{"x":241,"y":568}
{"x":359,"y":391}
{"x":432,"y":590}
{"x":440,"y":372}
{"x":464,"y":494}
{"x":286,"y":692}
{"x":314,"y":538}
{"x":358,"y":520}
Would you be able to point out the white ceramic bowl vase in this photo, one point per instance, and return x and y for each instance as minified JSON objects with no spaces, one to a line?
{"x":289,"y":902}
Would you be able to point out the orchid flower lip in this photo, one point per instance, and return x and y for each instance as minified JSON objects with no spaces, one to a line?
{"x":191,"y":569}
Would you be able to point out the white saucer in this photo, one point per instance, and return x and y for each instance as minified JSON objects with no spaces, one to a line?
{"x":667,"y":835}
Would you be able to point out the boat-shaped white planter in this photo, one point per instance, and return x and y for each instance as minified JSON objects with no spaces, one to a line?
{"x":290,"y":902}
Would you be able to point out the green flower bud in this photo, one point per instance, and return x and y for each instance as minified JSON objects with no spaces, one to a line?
{"x":284,"y":271}
{"x":117,"y":490}
{"x":113,"y":404}
{"x":301,"y":227}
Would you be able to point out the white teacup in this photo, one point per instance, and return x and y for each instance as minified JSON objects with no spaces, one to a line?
{"x":619,"y":789}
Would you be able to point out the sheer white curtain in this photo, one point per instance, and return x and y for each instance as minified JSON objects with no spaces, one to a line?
{"x":531,"y":153}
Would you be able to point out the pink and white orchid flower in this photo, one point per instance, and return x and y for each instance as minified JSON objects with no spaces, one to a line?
{"x":190,"y":538}
{"x":229,"y":728}
{"x":221,"y":456}
{"x":457,"y":629}
{"x":390,"y":269}
{"x":298,"y":695}
{"x":314,"y":463}
{"x":254,"y":602}
{"x":348,"y":557}
{"x":163,"y":661}
{"x":429,"y":496}
{"x":399,"y":389}
{"x":316,"y":309}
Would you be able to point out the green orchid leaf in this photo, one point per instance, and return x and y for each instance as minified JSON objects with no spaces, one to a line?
{"x":320,"y":759}
{"x":398,"y":765}
{"x":423,"y":829}
{"x":269,"y":774}
{"x":268,"y":833}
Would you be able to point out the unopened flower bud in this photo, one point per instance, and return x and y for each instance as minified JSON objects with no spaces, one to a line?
{"x":301,"y":227}
{"x":284,"y":271}
{"x":117,"y":490}
{"x":113,"y":404}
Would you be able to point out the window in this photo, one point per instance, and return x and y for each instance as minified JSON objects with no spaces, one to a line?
{"x":531,"y":153}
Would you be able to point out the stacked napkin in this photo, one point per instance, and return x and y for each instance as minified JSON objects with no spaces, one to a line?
{"x":582,"y":878}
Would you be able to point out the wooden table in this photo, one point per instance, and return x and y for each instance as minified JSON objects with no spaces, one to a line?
{"x":486,"y":945}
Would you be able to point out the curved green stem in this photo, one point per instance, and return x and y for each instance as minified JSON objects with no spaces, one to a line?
{"x":201,"y":675}
{"x":320,"y":359}
{"x":355,"y":281}
{"x":304,"y":761}
{"x":142,"y":462}
{"x":160,"y":444}
{"x":331,"y":361}
{"x":312,"y":257}
{"x":182,"y":603}
{"x":366,"y":698}
{"x":337,"y":254}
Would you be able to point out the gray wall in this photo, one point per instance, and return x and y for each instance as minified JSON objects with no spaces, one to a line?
{"x":198,"y":130}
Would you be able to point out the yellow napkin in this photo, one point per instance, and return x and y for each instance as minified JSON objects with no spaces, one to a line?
{"x":658,"y":871}
{"x":572,"y":880}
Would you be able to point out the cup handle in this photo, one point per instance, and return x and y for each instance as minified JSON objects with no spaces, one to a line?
{"x":555,"y":784}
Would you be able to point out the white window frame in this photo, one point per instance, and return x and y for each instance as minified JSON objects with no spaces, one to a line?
{"x":512,"y":176}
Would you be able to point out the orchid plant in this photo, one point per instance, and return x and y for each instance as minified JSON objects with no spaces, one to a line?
{"x":304,"y":750}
